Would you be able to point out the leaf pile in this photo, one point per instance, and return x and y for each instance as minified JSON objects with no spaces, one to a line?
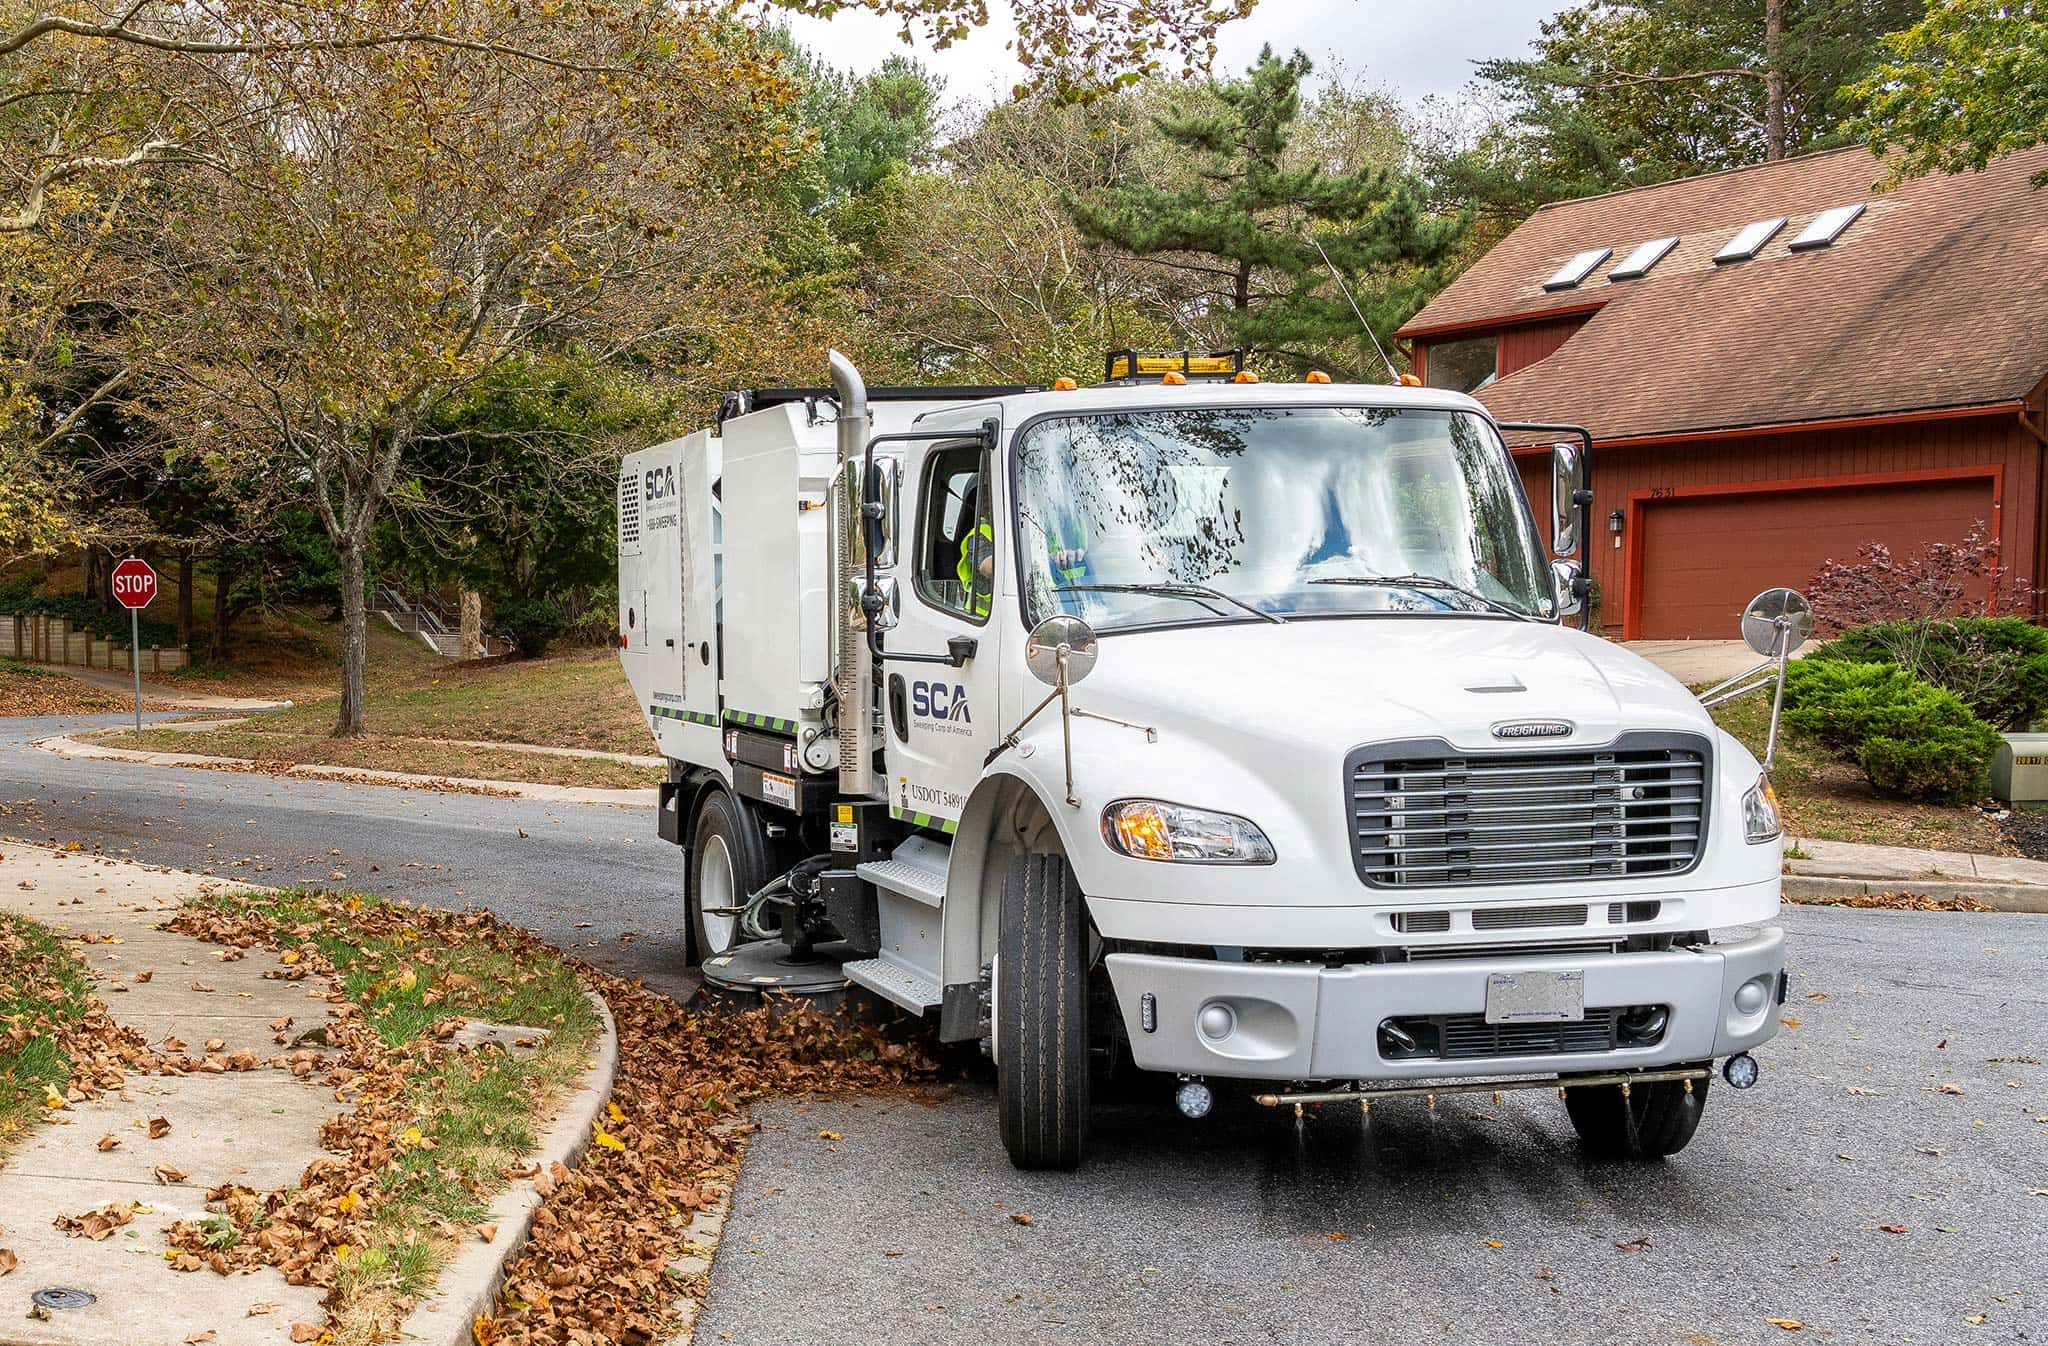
{"x":58,"y":1044}
{"x":592,"y":1272}
{"x":1895,"y":902}
{"x":28,"y":690}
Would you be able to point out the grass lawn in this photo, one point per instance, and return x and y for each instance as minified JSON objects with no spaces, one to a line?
{"x":44,"y":992}
{"x":1830,"y":800}
{"x":260,"y":741}
{"x":434,"y":1132}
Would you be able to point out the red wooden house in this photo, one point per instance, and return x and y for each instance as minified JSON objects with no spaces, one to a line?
{"x":1777,"y":364}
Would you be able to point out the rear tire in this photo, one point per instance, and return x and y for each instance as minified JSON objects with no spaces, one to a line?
{"x":728,"y":862}
{"x":1041,"y":1013}
{"x":1655,"y":1120}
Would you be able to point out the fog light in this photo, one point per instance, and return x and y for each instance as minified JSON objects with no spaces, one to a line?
{"x":1194,"y":1099}
{"x":1753,"y":995}
{"x":1740,"y":1070}
{"x":1216,"y":1022}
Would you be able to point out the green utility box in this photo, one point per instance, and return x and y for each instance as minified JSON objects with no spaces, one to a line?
{"x":2019,"y":769}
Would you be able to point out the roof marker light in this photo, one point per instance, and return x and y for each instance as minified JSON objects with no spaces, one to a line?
{"x":1244,"y":376}
{"x":1064,"y":385}
{"x":1173,"y":376}
{"x":1410,"y":381}
{"x":1316,"y":376}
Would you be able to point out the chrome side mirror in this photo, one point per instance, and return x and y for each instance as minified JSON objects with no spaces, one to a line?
{"x":886,"y":490}
{"x":1567,"y":479}
{"x":1565,"y":582}
{"x":1777,"y":615}
{"x":1060,"y":651}
{"x":856,"y":593}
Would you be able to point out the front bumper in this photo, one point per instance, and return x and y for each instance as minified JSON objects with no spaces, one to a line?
{"x":1298,"y":1022}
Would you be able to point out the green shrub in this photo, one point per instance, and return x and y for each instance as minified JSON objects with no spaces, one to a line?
{"x":1997,"y":665}
{"x":1910,"y":738}
{"x":532,"y":623}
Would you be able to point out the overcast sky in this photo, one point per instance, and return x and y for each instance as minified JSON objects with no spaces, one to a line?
{"x":1420,"y":47}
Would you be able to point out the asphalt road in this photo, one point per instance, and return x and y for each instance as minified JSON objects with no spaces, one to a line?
{"x":1246,"y":1228}
{"x":1221,"y":1232}
{"x":593,"y":879}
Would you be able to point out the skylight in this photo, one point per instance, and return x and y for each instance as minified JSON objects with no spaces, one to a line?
{"x":1826,"y":227}
{"x":1577,"y":269}
{"x":1748,"y":241}
{"x":1646,"y":255}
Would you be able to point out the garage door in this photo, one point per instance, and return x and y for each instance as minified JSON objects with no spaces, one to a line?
{"x":1705,"y":556}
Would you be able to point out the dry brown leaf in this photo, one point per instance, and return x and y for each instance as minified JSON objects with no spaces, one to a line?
{"x":305,"y":1332}
{"x":108,"y":1142}
{"x":144,"y":975}
{"x":167,"y":1173}
{"x":159,"y":1127}
{"x":487,"y":1232}
{"x":1892,"y":1228}
{"x":1019,"y":1217}
{"x":1786,"y":1324}
{"x":208,"y":1335}
{"x":8,"y":1261}
{"x":260,"y":1308}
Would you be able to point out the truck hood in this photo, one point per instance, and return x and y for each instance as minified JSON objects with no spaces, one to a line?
{"x":1337,"y":683}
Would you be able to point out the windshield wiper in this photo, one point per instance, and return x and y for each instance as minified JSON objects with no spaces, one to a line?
{"x":1426,"y":582}
{"x":1193,"y":592}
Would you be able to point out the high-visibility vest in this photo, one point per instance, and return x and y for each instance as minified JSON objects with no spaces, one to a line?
{"x":968,"y":579}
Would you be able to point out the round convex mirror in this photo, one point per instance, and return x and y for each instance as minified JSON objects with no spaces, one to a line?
{"x":1042,"y":649}
{"x":1774,"y":610}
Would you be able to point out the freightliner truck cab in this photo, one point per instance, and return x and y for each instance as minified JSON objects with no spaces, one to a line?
{"x":1234,"y":732}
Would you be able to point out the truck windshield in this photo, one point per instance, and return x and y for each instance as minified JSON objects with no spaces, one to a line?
{"x":1293,"y":511}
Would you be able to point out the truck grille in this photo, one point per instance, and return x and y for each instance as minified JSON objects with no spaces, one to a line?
{"x":1427,"y":817}
{"x":1466,"y":1037}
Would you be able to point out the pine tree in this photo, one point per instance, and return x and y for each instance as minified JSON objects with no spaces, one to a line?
{"x":1251,"y":218}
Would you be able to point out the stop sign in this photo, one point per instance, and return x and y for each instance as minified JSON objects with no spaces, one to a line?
{"x":134,"y":583}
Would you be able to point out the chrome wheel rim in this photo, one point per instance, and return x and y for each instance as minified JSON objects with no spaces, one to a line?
{"x":716,"y":888}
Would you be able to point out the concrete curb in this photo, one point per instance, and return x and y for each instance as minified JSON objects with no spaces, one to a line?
{"x":532,"y":749}
{"x":2016,"y":897}
{"x":64,"y":746}
{"x":468,"y":1286}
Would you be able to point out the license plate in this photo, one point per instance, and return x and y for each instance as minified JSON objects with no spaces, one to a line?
{"x":1536,"y":997}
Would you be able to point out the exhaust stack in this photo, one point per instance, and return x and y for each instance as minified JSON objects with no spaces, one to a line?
{"x":852,"y":679}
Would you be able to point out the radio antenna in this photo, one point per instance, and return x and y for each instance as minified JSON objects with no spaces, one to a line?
{"x":1393,"y":375}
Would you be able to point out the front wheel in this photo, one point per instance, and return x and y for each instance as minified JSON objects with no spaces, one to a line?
{"x":1649,"y":1122}
{"x":727,"y":865}
{"x":1041,"y":1014}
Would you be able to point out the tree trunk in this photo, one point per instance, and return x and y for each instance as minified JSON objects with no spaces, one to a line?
{"x":185,"y":597}
{"x":1774,"y":80}
{"x":472,"y":624}
{"x":355,"y":637}
{"x":1241,"y":294}
{"x":223,"y":610}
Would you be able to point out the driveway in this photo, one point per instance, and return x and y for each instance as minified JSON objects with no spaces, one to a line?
{"x":594,"y":880}
{"x":1219,"y":1232}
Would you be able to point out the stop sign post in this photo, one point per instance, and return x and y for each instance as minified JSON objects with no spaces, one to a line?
{"x":134,"y":588}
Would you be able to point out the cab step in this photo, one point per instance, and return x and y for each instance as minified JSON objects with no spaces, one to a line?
{"x":892,"y":981}
{"x":916,"y":869}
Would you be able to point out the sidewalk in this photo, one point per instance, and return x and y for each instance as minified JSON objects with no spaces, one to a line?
{"x":183,"y":699}
{"x":537,"y":749}
{"x":1829,"y":868}
{"x":258,"y":1128}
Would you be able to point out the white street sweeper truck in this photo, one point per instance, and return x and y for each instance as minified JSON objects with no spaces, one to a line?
{"x":1229,"y":731}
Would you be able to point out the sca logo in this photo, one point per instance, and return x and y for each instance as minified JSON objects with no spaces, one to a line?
{"x":659,"y":483}
{"x":940,"y":701}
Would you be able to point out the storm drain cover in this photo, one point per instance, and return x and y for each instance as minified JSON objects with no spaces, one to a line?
{"x":58,"y":1297}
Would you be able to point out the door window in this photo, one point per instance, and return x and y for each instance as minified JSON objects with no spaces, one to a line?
{"x":956,"y":542}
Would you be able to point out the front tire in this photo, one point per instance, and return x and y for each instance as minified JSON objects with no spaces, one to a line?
{"x":1041,"y":1012}
{"x":727,"y":864}
{"x":1653,"y":1121}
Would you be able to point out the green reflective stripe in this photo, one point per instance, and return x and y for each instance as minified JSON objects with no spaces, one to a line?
{"x":688,"y":716}
{"x":752,"y":721}
{"x":948,"y":825}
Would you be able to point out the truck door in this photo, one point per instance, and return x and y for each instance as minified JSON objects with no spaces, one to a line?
{"x":941,"y":721}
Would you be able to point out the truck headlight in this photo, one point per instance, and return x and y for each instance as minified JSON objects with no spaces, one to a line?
{"x":1151,"y":829}
{"x":1760,"y":813}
